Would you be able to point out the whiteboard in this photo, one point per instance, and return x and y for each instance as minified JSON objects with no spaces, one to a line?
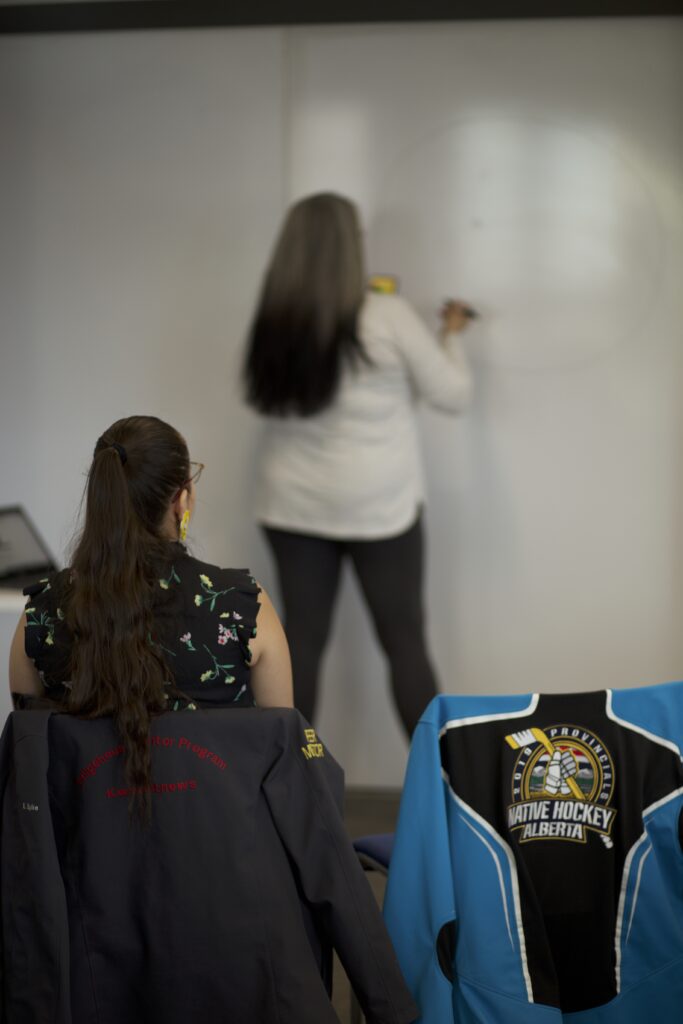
{"x":533,"y":169}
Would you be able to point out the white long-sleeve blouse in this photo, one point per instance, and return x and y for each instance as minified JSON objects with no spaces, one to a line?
{"x":355,"y":470}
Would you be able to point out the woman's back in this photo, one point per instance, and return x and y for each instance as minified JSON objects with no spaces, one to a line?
{"x":354,"y":469}
{"x":136,"y":625}
{"x":203,"y":620}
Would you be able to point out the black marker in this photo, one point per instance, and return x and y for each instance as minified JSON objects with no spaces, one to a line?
{"x":467,"y":311}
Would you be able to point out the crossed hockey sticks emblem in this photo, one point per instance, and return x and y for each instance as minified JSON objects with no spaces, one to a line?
{"x":529,"y":738}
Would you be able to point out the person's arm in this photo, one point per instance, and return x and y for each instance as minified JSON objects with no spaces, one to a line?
{"x":271,"y":666}
{"x":438,"y":368}
{"x":23,"y":674}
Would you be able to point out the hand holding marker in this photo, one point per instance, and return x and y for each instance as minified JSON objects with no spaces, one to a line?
{"x":454,"y":314}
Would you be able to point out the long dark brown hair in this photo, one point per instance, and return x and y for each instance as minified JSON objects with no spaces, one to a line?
{"x":139,"y":465}
{"x":305,"y":326}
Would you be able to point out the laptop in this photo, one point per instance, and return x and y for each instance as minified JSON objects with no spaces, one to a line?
{"x":24,"y":556}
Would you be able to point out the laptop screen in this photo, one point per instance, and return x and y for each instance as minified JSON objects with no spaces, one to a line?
{"x":21,"y":549}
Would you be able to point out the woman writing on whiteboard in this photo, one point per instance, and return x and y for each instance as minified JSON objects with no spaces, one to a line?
{"x":337,"y":371}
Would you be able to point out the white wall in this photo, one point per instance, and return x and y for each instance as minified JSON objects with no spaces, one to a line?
{"x":140,"y":184}
{"x":532,"y":167}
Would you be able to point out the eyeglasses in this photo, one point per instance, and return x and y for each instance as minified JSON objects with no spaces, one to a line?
{"x":195,"y":472}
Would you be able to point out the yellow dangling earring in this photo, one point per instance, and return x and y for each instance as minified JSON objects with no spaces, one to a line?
{"x":183,"y":525}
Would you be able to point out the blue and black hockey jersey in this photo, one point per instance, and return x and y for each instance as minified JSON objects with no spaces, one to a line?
{"x":537,"y":873}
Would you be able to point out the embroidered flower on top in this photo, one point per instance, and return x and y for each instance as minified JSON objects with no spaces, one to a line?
{"x":218,"y":670}
{"x":186,"y":639}
{"x":43,"y":622}
{"x":172,"y":578}
{"x":210,"y":595}
{"x":180,"y":705}
{"x":225,"y":634}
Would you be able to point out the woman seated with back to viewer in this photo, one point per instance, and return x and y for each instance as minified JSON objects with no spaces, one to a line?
{"x":137,"y":626}
{"x":104,"y":916}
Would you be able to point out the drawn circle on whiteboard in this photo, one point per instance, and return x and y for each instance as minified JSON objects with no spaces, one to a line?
{"x":553,"y":235}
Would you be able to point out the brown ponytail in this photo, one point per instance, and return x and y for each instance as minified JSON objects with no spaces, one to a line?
{"x":139,"y":465}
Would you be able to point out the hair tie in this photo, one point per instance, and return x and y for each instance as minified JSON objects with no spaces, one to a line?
{"x":122,"y":453}
{"x":118,"y":448}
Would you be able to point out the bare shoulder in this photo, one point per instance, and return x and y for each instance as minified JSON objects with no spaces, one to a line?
{"x":271,"y":677}
{"x":23,"y":675}
{"x":267,"y":623}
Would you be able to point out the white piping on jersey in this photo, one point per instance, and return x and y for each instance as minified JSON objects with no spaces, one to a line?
{"x":501,"y":881}
{"x":625,"y":877}
{"x":455,"y":723}
{"x":669,"y":744}
{"x":514,"y":881}
{"x":660,"y":803}
{"x":637,"y":890}
{"x":620,"y":911}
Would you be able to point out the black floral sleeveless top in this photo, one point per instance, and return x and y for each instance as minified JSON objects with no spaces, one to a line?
{"x":204,"y":618}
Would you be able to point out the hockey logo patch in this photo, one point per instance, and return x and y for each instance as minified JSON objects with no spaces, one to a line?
{"x":562,"y":785}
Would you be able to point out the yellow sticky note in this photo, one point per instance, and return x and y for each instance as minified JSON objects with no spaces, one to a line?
{"x":387,"y":284}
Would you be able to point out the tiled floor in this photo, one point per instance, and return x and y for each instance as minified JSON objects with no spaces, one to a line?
{"x":367,"y":811}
